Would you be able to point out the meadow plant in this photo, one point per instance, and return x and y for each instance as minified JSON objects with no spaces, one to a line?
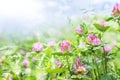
{"x":85,"y":55}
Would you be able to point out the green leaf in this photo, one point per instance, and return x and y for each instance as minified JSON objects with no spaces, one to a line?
{"x":97,"y":48}
{"x":107,"y":77}
{"x":62,"y":54}
{"x":56,"y":70}
{"x":100,"y":28}
{"x":14,"y":76}
{"x":1,"y":78}
{"x":84,"y":27}
{"x":99,"y":36}
{"x":31,"y":78}
{"x":109,"y":19}
{"x":48,"y":51}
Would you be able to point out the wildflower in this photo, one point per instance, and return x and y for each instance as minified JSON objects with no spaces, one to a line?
{"x":65,"y":46}
{"x":37,"y":47}
{"x":93,"y":39}
{"x":113,"y":44}
{"x":79,"y":68}
{"x":51,"y":43}
{"x":103,"y":24}
{"x":106,"y":49}
{"x":27,"y":54}
{"x":79,"y":30}
{"x":25,"y":63}
{"x":82,"y":46}
{"x":27,"y":70}
{"x":34,"y":59}
{"x":96,"y":41}
{"x":58,"y":63}
{"x":22,"y":52}
{"x":116,"y":10}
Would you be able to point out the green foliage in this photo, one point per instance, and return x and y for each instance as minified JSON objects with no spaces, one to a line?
{"x":50,"y":63}
{"x":101,"y":28}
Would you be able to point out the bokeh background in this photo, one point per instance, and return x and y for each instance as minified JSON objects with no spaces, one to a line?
{"x":27,"y":16}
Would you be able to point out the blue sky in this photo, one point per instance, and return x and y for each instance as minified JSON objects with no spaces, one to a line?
{"x":16,"y":14}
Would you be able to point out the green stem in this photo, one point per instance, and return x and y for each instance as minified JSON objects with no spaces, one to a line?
{"x":94,"y":67}
{"x":93,"y":74}
{"x":98,"y":72}
{"x":94,"y":71}
{"x":78,"y":40}
{"x":106,"y":62}
{"x":103,"y":63}
{"x":68,"y":66}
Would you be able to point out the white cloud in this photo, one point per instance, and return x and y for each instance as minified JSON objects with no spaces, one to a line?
{"x":21,"y":9}
{"x":52,"y":3}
